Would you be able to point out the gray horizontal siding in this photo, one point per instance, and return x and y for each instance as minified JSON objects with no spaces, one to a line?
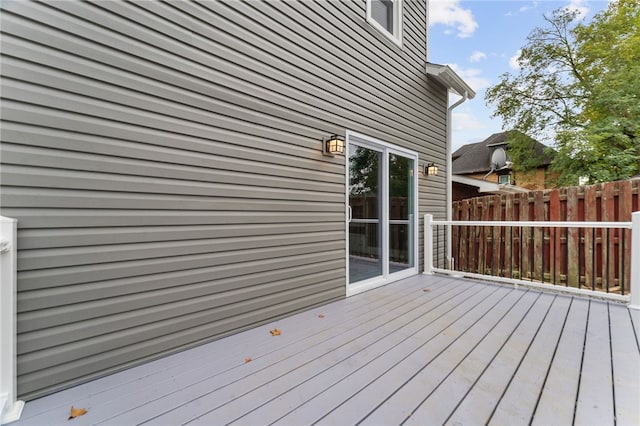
{"x":164,"y":163}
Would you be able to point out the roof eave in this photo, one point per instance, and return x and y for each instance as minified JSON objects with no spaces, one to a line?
{"x":448,"y":78}
{"x":487,"y":186}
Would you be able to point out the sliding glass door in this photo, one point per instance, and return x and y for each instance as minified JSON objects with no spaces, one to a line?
{"x":382,"y":240}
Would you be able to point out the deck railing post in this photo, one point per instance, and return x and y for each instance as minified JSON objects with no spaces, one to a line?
{"x":634,"y":287}
{"x":428,"y":244}
{"x":10,"y":407}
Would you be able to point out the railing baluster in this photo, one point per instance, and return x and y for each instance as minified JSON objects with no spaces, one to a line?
{"x":437,"y":244}
{"x":459,"y":242}
{"x":543,"y":265}
{"x":555,"y":257}
{"x":520,"y":250}
{"x":579,"y":257}
{"x":511,"y":251}
{"x":483,"y":259}
{"x":607,"y":250}
{"x":566,"y":257}
{"x":594,"y":269}
{"x":531,"y":254}
{"x":622,"y":256}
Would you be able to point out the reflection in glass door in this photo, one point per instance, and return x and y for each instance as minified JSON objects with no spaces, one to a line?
{"x":400,"y":213}
{"x":381,"y":212}
{"x":365,"y":233}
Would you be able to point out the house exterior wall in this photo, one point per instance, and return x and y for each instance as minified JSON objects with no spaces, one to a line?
{"x":534,"y":180}
{"x":460,"y":191}
{"x":164,"y":164}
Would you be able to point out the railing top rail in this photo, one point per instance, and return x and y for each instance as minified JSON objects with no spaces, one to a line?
{"x":539,"y":224}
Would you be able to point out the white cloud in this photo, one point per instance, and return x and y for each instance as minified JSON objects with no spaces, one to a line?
{"x":513,"y":61}
{"x":450,"y":14}
{"x":523,"y":9}
{"x":477,"y":56}
{"x":466,"y":121}
{"x":580,"y":6}
{"x":472,"y":77}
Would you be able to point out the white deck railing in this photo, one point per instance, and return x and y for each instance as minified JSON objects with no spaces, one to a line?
{"x":10,"y":407}
{"x":525,"y":243}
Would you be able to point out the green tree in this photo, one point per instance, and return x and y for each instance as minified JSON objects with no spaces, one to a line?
{"x":578,"y":84}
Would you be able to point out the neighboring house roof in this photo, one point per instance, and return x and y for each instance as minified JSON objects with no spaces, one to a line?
{"x":476,"y":157}
{"x":487,"y":186}
{"x":448,"y":78}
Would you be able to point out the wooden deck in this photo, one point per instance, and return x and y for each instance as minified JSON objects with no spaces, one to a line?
{"x":462,"y":352}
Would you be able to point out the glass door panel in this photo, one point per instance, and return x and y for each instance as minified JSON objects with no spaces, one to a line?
{"x":401,"y":208}
{"x":365,"y":203}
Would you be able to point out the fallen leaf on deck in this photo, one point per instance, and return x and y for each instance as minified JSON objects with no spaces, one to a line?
{"x":275,"y":332}
{"x":426,"y":289}
{"x":247,"y":359}
{"x":320,"y":316}
{"x":76,"y":412}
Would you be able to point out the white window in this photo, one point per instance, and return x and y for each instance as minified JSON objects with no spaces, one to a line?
{"x":504,"y":179}
{"x":386,"y":17}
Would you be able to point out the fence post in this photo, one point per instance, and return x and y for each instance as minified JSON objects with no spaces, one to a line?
{"x":634,"y":288}
{"x":428,"y":244}
{"x":10,"y":407}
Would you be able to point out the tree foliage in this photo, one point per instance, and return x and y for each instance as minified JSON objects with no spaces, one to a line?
{"x":525,"y":153}
{"x":579,"y":86}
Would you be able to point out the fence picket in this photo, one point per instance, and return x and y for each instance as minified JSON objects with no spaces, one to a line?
{"x":497,"y":242}
{"x":538,"y":244}
{"x":590,"y":215}
{"x":586,"y":258}
{"x":608,"y":214}
{"x":573,"y":244}
{"x":625,"y":206}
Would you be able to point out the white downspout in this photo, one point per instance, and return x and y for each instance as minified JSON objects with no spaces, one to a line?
{"x":449,"y":177}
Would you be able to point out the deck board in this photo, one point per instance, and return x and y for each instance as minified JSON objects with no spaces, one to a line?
{"x":413,"y":361}
{"x":442,"y":403}
{"x":306,"y":385}
{"x":332,"y":398}
{"x":249,"y":393}
{"x":626,"y":367}
{"x":595,"y":394}
{"x":519,"y":401}
{"x":557,"y":400}
{"x":464,"y":352}
{"x":425,"y":391}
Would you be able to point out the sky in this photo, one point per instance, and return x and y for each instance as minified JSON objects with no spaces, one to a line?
{"x":480,"y":40}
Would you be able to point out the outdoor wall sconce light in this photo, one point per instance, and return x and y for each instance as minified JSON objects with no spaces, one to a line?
{"x":333,"y":145}
{"x":430,"y":169}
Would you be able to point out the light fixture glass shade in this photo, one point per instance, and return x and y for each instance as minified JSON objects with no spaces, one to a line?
{"x":335,"y":145}
{"x":432,"y":169}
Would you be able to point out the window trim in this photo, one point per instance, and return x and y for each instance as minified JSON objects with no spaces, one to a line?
{"x":395,"y":37}
{"x":508,"y":182}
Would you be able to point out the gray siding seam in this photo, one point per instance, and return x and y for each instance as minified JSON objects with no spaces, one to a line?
{"x":198,"y":152}
{"x":61,"y":4}
{"x":249,"y":272}
{"x":196,"y":282}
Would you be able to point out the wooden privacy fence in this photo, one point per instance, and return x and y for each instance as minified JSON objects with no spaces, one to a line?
{"x":592,"y":257}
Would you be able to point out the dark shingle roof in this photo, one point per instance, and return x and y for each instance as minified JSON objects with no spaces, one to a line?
{"x":476,"y":157}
